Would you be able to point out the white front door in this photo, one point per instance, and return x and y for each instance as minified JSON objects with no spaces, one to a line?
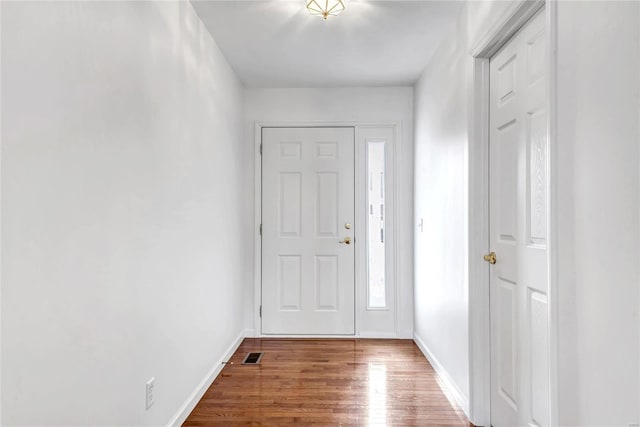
{"x":518,"y":230}
{"x":307,"y":220}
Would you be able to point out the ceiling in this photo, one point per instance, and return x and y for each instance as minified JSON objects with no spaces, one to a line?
{"x":277,"y":43}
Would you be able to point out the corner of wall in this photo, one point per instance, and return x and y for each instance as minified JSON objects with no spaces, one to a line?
{"x":448,"y":385}
{"x":187,"y":407}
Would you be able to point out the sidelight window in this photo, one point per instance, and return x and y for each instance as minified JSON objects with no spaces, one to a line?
{"x":376,"y":255}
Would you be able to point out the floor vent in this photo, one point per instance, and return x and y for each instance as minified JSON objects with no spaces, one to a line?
{"x":252,"y":358}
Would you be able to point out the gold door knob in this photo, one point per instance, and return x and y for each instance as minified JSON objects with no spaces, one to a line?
{"x":491,"y":258}
{"x":346,"y":241}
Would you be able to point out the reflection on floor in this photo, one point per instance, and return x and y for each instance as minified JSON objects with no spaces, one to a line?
{"x":330,"y":382}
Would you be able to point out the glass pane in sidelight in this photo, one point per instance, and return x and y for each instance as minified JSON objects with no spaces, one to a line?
{"x":377,"y":297}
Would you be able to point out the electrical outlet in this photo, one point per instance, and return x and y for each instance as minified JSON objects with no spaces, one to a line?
{"x":150,"y":392}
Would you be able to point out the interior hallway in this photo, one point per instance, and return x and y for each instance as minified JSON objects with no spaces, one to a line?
{"x":329,"y":382}
{"x":130,"y":218}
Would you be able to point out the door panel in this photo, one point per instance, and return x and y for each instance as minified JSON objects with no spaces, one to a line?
{"x":307,"y":198}
{"x":518,"y":230}
{"x":507,"y":337}
{"x":290,"y":204}
{"x":289,"y":282}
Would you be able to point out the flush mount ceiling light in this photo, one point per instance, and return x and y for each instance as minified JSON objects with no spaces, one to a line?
{"x":325,"y":8}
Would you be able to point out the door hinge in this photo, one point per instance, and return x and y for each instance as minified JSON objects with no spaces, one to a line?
{"x":261,"y":149}
{"x":260,"y":311}
{"x":261,"y":229}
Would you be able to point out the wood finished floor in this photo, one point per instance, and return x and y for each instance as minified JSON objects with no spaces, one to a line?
{"x":327,"y":382}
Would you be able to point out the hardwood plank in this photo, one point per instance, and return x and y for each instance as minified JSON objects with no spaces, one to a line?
{"x":327,"y":382}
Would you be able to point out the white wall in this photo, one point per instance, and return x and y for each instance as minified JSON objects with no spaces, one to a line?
{"x":123,"y":252}
{"x":598,"y":203}
{"x":598,"y":206}
{"x":443,"y":99}
{"x":484,"y":16}
{"x":440,"y":183}
{"x":443,"y":121}
{"x":345,"y":105}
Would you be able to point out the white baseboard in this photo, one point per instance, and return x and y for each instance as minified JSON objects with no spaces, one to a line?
{"x":454,"y":392}
{"x":378,"y":335}
{"x":197,"y":394}
{"x":363,"y":335}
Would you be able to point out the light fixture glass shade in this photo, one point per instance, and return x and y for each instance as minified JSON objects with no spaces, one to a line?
{"x":325,"y":8}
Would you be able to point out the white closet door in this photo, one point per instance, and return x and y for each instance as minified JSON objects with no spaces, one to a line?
{"x":518,"y":230}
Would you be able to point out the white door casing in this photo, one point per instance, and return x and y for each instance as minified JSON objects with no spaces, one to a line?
{"x":307,"y":201}
{"x":375,"y":322}
{"x":518,"y":204}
